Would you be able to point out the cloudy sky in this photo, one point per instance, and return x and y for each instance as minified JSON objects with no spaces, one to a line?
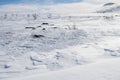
{"x":2,"y":2}
{"x":37,"y":1}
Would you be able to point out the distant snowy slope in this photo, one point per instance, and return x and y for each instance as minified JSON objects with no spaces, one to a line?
{"x":109,"y":8}
{"x":75,"y":8}
{"x":19,"y":8}
{"x":58,"y":8}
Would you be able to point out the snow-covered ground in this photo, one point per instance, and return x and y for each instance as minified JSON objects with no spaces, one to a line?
{"x":62,"y":44}
{"x":102,"y":70}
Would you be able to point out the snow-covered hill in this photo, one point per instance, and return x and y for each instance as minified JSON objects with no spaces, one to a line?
{"x":110,"y":8}
{"x":38,"y":39}
{"x":58,"y":8}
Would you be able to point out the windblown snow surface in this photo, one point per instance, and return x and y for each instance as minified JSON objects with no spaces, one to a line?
{"x":59,"y":43}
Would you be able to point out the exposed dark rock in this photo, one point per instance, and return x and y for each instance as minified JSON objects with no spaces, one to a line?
{"x":43,"y":29}
{"x":39,"y":26}
{"x":38,"y":36}
{"x":33,"y":28}
{"x":45,"y":23}
{"x":6,"y":66}
{"x":109,"y":4}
